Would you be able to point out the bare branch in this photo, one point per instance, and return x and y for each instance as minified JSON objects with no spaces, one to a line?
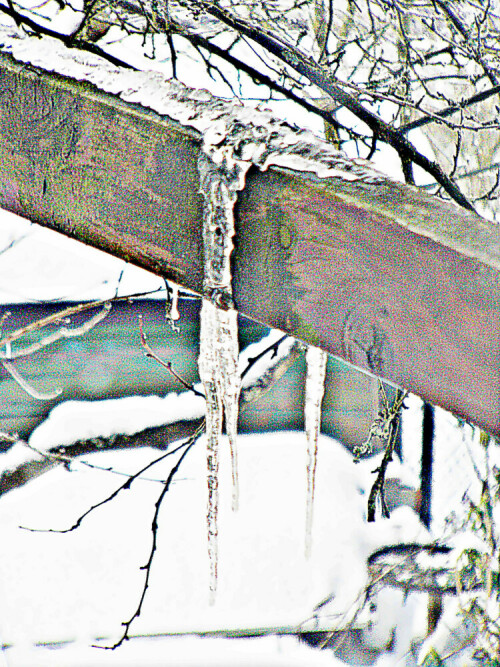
{"x":53,"y":319}
{"x":157,"y":437}
{"x":124,"y":486}
{"x":333,"y":87}
{"x":165,"y":364}
{"x":154,"y":528}
{"x":449,"y":111}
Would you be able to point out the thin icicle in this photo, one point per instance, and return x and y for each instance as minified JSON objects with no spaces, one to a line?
{"x":172,"y":304}
{"x":230,"y":387}
{"x":214,"y":417}
{"x":220,"y":179}
{"x":315,"y":387}
{"x":218,"y":368}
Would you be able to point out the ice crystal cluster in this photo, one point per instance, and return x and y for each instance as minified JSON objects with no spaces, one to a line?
{"x":233,"y":138}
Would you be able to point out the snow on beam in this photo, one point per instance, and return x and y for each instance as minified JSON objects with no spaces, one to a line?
{"x":380,"y":274}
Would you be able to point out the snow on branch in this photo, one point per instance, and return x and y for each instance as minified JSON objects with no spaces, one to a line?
{"x":418,"y":567}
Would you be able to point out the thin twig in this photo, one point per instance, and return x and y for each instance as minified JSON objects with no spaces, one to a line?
{"x":327,"y":82}
{"x":165,"y":364}
{"x":125,"y":485}
{"x":154,"y":527}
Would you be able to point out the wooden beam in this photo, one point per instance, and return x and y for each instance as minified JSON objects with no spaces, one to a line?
{"x":385,"y":276}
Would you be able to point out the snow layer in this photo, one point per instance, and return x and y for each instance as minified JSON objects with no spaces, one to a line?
{"x":77,"y":420}
{"x":264,"y":578}
{"x":181,"y":652}
{"x":255,"y":136}
{"x":38,"y":264}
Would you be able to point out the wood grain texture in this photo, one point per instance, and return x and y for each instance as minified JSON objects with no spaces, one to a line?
{"x":384,"y":276}
{"x":367,"y":289}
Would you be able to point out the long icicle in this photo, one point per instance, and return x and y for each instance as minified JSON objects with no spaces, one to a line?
{"x":218,"y":360}
{"x":315,"y":387}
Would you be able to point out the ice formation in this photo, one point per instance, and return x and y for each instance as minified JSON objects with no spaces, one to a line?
{"x":220,"y":179}
{"x":315,"y":388}
{"x":172,"y":304}
{"x":233,"y":138}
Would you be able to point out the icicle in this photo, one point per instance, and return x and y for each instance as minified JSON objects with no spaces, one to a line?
{"x":218,"y":369}
{"x":218,"y":360}
{"x":173,"y":301}
{"x":315,"y":386}
{"x":214,"y":415}
{"x":172,"y":305}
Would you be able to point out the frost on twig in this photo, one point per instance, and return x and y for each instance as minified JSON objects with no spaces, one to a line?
{"x":34,"y":393}
{"x":316,"y":361}
{"x":62,"y":331}
{"x":164,"y":364}
{"x":383,"y":430}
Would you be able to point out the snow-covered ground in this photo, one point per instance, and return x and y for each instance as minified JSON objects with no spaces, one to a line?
{"x":38,"y":264}
{"x":71,"y":589}
{"x":82,"y":585}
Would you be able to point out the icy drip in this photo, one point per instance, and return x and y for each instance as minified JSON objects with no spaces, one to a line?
{"x":172,"y":302}
{"x":220,"y":179}
{"x":315,"y":387}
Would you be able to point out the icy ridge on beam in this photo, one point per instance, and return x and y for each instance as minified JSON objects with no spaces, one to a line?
{"x":256,"y":136}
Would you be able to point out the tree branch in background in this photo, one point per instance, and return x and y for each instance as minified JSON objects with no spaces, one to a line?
{"x":384,"y":429}
{"x":255,"y":75}
{"x":34,"y":393}
{"x":70,"y":41}
{"x":157,"y":437}
{"x":449,"y":111}
{"x":472,"y":45}
{"x":329,"y":84}
{"x":322,"y":75}
{"x":55,"y":318}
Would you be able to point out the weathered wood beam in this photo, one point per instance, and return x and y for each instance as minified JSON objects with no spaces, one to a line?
{"x":382,"y":275}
